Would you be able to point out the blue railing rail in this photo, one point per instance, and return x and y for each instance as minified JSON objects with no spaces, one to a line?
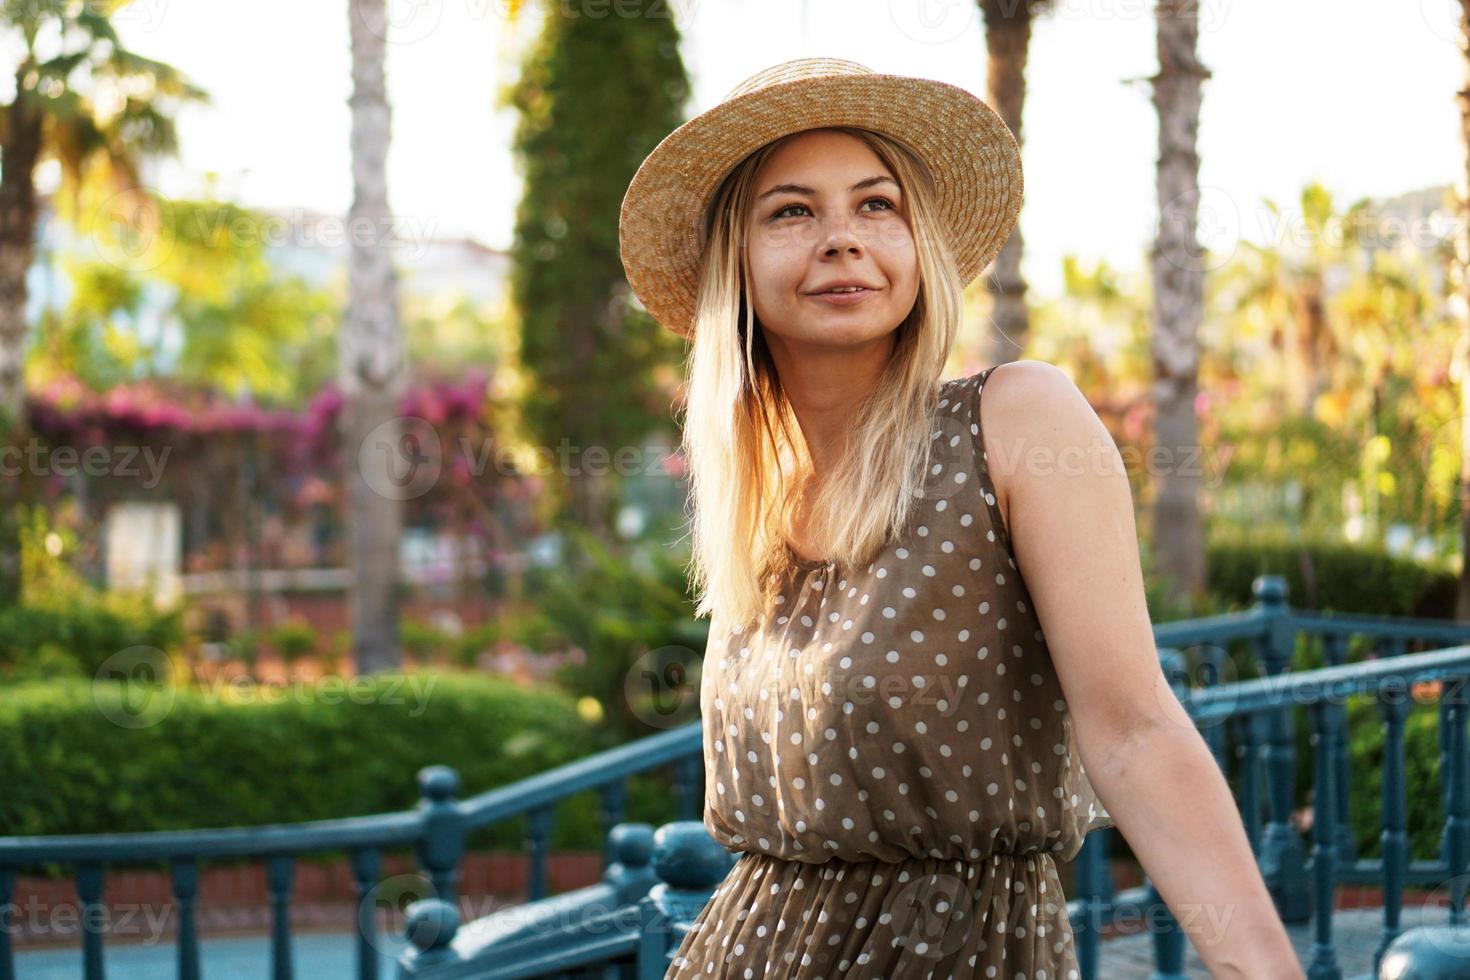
{"x":438,"y":827}
{"x":436,"y":830}
{"x":691,"y":866}
{"x":1323,"y":694}
{"x":1265,"y":751}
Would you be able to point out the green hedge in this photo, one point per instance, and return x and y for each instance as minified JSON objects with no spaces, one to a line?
{"x":211,"y":760}
{"x":78,"y":637}
{"x":1330,"y":575}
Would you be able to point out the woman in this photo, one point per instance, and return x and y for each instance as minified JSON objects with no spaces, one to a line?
{"x":896,"y":720}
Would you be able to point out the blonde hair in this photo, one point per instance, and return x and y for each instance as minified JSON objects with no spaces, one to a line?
{"x":748,"y":465}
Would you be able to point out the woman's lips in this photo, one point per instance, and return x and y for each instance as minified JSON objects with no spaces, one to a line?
{"x":845,"y":298}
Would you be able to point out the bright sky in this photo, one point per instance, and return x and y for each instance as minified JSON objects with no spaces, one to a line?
{"x":1356,"y":93}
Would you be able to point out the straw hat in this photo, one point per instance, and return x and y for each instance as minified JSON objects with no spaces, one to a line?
{"x":973,"y":155}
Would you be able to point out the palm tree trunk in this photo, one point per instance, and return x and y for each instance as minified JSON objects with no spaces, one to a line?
{"x":1007,"y":39}
{"x":18,"y":212}
{"x":371,"y":361}
{"x":1178,"y":276}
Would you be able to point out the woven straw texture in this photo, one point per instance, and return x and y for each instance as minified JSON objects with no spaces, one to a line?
{"x":973,"y":155}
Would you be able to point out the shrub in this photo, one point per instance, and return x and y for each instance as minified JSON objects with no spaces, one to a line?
{"x":249,"y":755}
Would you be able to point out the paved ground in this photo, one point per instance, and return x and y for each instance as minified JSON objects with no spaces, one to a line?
{"x":1356,"y":934}
{"x":320,"y":956}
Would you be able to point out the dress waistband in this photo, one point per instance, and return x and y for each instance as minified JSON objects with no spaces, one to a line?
{"x":925,"y":861}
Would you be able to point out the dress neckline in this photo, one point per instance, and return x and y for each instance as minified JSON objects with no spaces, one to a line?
{"x":805,"y":563}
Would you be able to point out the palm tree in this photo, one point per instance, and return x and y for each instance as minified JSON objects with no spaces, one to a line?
{"x":86,"y":103}
{"x":1007,"y":40}
{"x":1178,"y":278}
{"x":371,"y":362}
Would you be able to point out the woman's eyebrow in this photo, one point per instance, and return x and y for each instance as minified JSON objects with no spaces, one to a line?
{"x":802,"y":189}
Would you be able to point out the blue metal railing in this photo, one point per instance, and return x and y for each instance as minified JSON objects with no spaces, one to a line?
{"x":1265,"y":757}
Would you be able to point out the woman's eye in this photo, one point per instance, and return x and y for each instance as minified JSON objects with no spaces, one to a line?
{"x":870,"y":200}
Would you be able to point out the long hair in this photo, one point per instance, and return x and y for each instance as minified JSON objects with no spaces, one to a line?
{"x":747,"y":461}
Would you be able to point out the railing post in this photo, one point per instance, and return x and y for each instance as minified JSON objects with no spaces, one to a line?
{"x":1094,"y":887}
{"x":1457,"y":820}
{"x":613,"y":800}
{"x":186,"y":891}
{"x":1283,"y":856}
{"x":539,"y":823}
{"x":441,"y":845}
{"x":689,"y":787}
{"x":89,"y":890}
{"x":280,"y":873}
{"x":689,"y":863}
{"x":366,"y":866}
{"x":7,"y":923}
{"x":1395,"y":846}
{"x":1324,"y":964}
{"x":1334,"y":654}
{"x":1164,"y":929}
{"x":1250,"y":736}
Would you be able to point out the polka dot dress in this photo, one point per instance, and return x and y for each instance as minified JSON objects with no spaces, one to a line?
{"x":891,"y":754}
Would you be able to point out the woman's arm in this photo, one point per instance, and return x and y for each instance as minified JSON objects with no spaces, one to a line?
{"x":1060,"y":482}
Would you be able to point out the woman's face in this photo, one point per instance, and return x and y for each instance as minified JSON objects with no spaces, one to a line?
{"x":819,"y":218}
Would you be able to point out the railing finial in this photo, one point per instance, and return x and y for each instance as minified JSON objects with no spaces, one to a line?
{"x":1270,"y":590}
{"x":438,"y":783}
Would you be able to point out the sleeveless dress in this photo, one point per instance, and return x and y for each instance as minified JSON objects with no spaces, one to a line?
{"x":890,"y":753}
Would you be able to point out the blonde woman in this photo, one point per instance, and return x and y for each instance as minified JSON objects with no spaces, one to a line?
{"x":915,"y":641}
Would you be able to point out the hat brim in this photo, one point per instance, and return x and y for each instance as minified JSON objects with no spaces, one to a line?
{"x":973,"y":155}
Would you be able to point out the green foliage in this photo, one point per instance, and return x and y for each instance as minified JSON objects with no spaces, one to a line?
{"x":63,"y":621}
{"x":248,"y":755}
{"x":1329,"y":575}
{"x":639,"y":617}
{"x":245,"y":326}
{"x":292,"y":641}
{"x":1424,"y":784}
{"x":424,"y":642}
{"x":591,"y":359}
